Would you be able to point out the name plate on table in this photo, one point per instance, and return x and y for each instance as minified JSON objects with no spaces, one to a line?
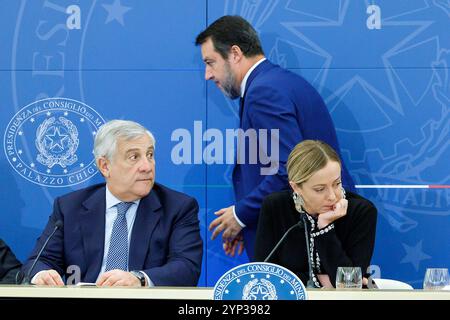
{"x":259,"y":281}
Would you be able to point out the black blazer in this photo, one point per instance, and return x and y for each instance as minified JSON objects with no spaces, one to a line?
{"x":350,"y":243}
{"x":9,"y":265}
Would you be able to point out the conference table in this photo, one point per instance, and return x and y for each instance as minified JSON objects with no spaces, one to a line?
{"x":182,"y":293}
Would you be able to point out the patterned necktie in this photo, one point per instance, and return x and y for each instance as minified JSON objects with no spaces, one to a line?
{"x":118,"y":245}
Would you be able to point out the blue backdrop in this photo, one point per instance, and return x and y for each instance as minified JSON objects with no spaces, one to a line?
{"x":381,"y":66}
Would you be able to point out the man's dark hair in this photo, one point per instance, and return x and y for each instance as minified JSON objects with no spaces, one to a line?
{"x":229,"y":31}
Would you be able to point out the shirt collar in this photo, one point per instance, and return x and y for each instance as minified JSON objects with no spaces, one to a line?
{"x":244,"y":81}
{"x":111,"y":200}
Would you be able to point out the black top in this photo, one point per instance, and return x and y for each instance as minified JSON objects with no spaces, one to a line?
{"x":9,"y":265}
{"x":349,"y":242}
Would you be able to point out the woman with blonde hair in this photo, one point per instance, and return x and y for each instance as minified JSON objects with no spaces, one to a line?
{"x":340,"y":226}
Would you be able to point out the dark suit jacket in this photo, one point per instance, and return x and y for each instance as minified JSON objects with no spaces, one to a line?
{"x":9,"y":265}
{"x":350,"y":243}
{"x":165,"y":241}
{"x":276,"y":98}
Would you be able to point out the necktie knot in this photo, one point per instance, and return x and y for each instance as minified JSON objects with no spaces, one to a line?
{"x":122,"y":207}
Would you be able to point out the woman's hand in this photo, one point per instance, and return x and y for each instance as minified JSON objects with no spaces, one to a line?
{"x":339,"y":210}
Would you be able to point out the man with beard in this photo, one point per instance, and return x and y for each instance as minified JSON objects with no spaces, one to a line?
{"x":270,"y":98}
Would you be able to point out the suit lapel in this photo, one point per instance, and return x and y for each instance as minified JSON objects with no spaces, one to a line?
{"x":92,"y":222}
{"x":147,"y":217}
{"x":263,"y":66}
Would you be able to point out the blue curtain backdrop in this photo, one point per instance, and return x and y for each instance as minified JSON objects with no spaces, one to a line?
{"x":382,"y":67}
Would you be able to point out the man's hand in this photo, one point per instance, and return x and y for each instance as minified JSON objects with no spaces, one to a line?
{"x":226,"y":223}
{"x":230,"y":246}
{"x":117,"y":278}
{"x":339,"y":210}
{"x":48,"y":278}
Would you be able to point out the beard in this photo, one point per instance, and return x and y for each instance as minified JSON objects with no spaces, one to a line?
{"x":228,"y":86}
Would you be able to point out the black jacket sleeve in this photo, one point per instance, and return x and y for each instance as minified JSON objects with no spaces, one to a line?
{"x":266,"y":234}
{"x":9,"y":265}
{"x":352,"y":243}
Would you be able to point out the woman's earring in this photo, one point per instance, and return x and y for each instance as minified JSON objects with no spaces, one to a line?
{"x":343,"y":192}
{"x":299,"y":202}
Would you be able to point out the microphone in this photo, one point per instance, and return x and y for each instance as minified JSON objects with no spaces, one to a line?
{"x":310,"y":283}
{"x":27,"y":280}
{"x":298,"y":224}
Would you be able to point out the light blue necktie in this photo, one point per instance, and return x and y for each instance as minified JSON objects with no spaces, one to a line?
{"x":118,"y":245}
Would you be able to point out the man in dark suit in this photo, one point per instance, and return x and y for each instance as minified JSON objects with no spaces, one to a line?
{"x":129,"y":232}
{"x":9,"y":265}
{"x":271,"y":98}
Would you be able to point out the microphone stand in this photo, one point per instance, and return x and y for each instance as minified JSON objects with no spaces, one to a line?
{"x":298,"y":224}
{"x":27,"y":279}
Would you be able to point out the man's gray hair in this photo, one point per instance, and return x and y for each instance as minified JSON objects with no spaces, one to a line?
{"x":105,"y":143}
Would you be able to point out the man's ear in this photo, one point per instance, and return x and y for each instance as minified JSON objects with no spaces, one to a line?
{"x":103,"y":166}
{"x":236,"y":54}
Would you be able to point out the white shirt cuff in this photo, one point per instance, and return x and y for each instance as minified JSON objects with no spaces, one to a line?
{"x":149,"y":282}
{"x":237,"y":219}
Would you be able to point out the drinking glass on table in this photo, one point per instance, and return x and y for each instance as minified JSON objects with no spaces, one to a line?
{"x":348,"y":278}
{"x":436,"y":279}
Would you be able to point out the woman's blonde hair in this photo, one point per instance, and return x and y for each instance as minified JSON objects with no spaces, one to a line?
{"x":308,"y":157}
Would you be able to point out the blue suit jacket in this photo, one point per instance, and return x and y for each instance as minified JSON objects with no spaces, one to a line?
{"x":165,"y":241}
{"x":276,"y":98}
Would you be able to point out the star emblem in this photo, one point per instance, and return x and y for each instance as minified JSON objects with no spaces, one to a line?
{"x":383,"y":93}
{"x":115,"y":12}
{"x":56,"y":139}
{"x":259,"y":291}
{"x":414,"y":254}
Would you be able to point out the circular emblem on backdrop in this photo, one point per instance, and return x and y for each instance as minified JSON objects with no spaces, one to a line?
{"x":49,"y":142}
{"x":259,"y":281}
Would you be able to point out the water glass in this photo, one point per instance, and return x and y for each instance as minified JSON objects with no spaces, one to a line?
{"x":436,"y":279}
{"x":348,"y":278}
